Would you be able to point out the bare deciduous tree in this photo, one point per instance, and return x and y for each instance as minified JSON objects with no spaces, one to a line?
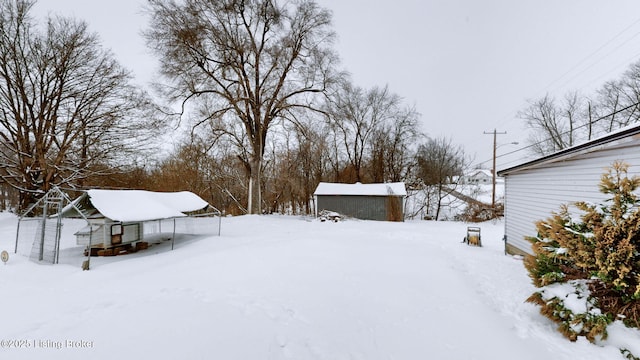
{"x":65,"y":103}
{"x":558,"y":126}
{"x":439,"y":164}
{"x":630,"y":97}
{"x":609,"y":102}
{"x":258,"y":61}
{"x":394,"y":147}
{"x":299,"y":166}
{"x":548,"y":131}
{"x":357,"y":116}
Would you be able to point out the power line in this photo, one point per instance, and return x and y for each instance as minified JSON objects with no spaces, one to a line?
{"x":567,"y":132}
{"x":507,"y":116}
{"x":598,"y":61}
{"x":627,"y":61}
{"x":594,"y":53}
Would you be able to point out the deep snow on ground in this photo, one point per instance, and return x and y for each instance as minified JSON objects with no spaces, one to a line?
{"x":281,"y":287}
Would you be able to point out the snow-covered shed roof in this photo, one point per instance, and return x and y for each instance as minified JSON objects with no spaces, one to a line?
{"x":135,"y":205}
{"x":385,"y":189}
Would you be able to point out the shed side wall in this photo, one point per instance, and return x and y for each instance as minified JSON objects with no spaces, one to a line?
{"x":533,"y":194}
{"x":360,"y":207}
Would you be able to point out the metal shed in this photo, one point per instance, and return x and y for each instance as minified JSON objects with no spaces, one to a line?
{"x":535,"y":189}
{"x":383,"y":202}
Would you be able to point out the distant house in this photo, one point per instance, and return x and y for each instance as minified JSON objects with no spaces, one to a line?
{"x":478,"y":176}
{"x":535,"y":189}
{"x":117,"y":217}
{"x":362,"y":201}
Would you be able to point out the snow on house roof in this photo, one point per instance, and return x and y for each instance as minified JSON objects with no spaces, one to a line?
{"x":396,"y":188}
{"x":484,"y":172}
{"x":141,"y":205}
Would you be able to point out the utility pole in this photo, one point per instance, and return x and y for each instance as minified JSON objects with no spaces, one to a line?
{"x":493,"y":170}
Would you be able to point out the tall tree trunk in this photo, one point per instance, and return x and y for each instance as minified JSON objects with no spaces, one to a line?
{"x":255,"y":186}
{"x":439,"y":203}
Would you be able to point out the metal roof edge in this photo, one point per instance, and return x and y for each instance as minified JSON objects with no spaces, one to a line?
{"x":574,"y":149}
{"x":359,"y":189}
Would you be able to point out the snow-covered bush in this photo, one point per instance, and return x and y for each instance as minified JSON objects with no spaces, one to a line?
{"x":571,"y":305}
{"x":587,"y":263}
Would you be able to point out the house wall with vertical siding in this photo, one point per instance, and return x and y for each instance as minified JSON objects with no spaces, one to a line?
{"x":532,"y":194}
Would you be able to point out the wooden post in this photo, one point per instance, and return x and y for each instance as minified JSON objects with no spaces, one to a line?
{"x":493,"y":169}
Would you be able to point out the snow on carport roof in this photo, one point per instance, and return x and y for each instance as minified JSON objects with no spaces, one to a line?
{"x":141,"y":205}
{"x":385,"y":189}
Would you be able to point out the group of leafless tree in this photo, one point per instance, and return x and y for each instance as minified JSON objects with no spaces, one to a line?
{"x":372,"y":138}
{"x":264,"y":112}
{"x":67,"y":109}
{"x":559,"y":124}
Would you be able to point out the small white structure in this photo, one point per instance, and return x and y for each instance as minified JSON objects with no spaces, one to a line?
{"x":381,"y":201}
{"x":535,"y":189}
{"x":478,"y":176}
{"x":116,"y":217}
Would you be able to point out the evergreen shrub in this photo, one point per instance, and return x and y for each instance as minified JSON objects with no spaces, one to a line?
{"x":586,"y":260}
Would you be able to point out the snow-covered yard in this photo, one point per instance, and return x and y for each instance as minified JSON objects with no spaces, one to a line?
{"x":277,"y":287}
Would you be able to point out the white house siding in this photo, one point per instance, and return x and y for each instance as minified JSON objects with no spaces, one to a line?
{"x":533,"y":193}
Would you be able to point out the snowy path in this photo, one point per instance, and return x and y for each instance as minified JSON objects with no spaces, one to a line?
{"x":285,"y":288}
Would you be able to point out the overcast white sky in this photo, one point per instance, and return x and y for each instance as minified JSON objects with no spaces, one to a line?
{"x":467,"y":65}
